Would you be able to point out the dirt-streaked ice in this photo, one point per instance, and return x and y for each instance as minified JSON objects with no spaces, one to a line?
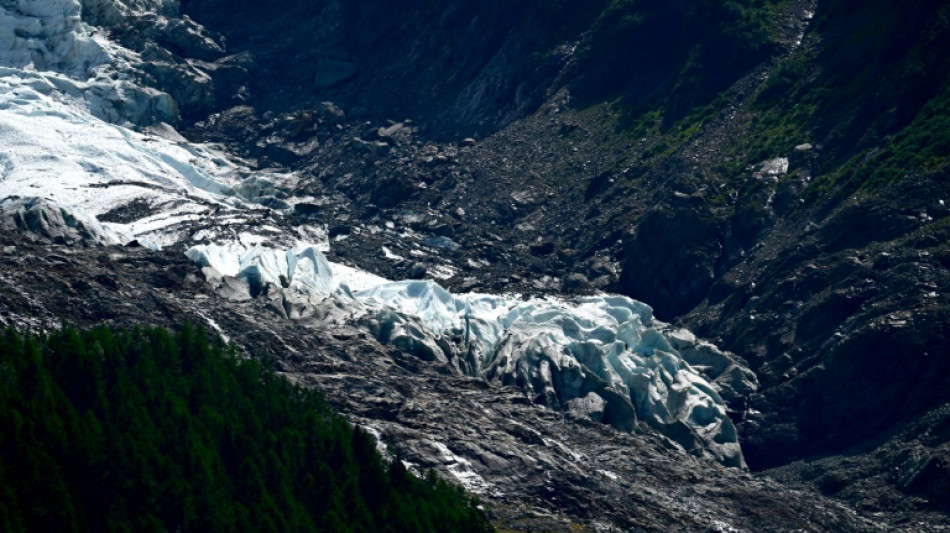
{"x":605,"y":356}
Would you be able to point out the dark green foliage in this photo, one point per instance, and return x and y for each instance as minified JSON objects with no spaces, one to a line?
{"x":675,"y":55}
{"x":148,"y":431}
{"x":870,"y":88}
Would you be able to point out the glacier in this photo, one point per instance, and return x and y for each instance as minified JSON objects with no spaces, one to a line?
{"x":80,"y":134}
{"x":47,"y":46}
{"x":68,"y":157}
{"x":604,"y":357}
{"x":89,"y":156}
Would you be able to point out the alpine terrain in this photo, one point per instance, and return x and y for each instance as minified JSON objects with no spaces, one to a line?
{"x":612,"y":265}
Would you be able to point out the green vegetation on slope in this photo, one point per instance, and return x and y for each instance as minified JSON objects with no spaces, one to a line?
{"x":147,"y":431}
{"x":870,"y":87}
{"x":674,"y":55}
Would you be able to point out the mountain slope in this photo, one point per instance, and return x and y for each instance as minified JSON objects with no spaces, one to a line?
{"x":826,"y":268}
{"x":536,"y":468}
{"x":770,"y":174}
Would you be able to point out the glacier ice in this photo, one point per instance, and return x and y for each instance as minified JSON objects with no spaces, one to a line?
{"x":68,"y":102}
{"x":304,"y":271}
{"x":55,"y":149}
{"x":47,"y":45}
{"x":49,"y":35}
{"x":58,"y":151}
{"x":605,"y":357}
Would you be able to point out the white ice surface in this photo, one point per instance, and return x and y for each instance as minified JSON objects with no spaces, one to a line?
{"x":48,"y":35}
{"x":46,"y":40}
{"x":67,"y":102}
{"x":558,"y":349}
{"x":612,"y":336}
{"x":54,"y":150}
{"x":355,"y":278}
{"x":304,"y":269}
{"x":561,"y":350}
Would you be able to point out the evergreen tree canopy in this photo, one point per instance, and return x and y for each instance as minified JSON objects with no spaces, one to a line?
{"x":144,"y":430}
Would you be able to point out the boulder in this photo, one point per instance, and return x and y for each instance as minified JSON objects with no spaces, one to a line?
{"x":48,"y":220}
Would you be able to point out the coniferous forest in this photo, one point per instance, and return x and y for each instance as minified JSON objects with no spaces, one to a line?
{"x":145,"y":430}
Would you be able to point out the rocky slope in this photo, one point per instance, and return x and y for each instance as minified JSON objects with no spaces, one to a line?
{"x":771,"y":175}
{"x":535,"y":468}
{"x":776,"y":176}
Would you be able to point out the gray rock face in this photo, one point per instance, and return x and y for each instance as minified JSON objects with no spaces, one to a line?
{"x":591,"y":406}
{"x":496,"y":77}
{"x":670,"y":259}
{"x":51,"y":222}
{"x":179,"y":58}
